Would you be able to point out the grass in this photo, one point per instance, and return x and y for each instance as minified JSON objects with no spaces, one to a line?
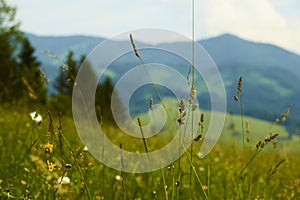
{"x":272,"y":174}
{"x":253,"y":159}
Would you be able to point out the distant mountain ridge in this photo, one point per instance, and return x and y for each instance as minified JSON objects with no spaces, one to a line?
{"x":235,"y":49}
{"x":271,"y":74}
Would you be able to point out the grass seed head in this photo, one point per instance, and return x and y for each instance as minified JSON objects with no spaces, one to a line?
{"x":286,"y":112}
{"x":134,"y":47}
{"x":182,"y":112}
{"x":247,"y":127}
{"x":239,"y":87}
{"x":193,"y":92}
{"x":267,"y":139}
{"x":51,"y":133}
{"x":258,"y":144}
{"x":273,"y":136}
{"x":248,"y":139}
{"x":151,"y":104}
{"x":198,"y":137}
{"x":202,"y":118}
{"x":236,"y":98}
{"x":68,"y":166}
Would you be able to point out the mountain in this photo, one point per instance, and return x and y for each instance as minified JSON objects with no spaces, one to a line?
{"x":228,"y":49}
{"x":271,"y":74}
{"x":60,"y":45}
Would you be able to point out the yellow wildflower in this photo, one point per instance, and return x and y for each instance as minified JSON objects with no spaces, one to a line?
{"x":50,"y":166}
{"x":23,"y":182}
{"x":205,"y":187}
{"x":48,"y":148}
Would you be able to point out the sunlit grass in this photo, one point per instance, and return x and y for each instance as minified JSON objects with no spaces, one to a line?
{"x":24,"y":173}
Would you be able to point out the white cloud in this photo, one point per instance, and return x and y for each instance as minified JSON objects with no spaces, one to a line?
{"x":269,"y":21}
{"x":254,"y":20}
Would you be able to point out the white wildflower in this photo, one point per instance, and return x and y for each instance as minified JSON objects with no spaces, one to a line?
{"x":63,"y":180}
{"x":216,"y":159}
{"x":36,"y":117}
{"x":202,"y":169}
{"x":85,"y":148}
{"x":119,"y":178}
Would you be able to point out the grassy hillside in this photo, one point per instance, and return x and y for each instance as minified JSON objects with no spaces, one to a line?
{"x":269,"y":71}
{"x":232,"y":131}
{"x":27,"y":171}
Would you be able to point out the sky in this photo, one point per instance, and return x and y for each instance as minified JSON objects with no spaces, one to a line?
{"x":267,"y":21}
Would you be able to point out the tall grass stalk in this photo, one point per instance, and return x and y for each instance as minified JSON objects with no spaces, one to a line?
{"x":208,"y":178}
{"x":191,"y":156}
{"x":193,"y":85}
{"x":195,"y":172}
{"x":122,"y":173}
{"x":181,"y":122}
{"x":77,"y":165}
{"x":147,"y":152}
{"x":242,"y":119}
{"x":177,"y":182}
{"x":102,"y":154}
{"x":259,"y":147}
{"x":60,"y":140}
{"x":257,"y":151}
{"x":165,"y":184}
{"x":151,"y":80}
{"x":240,"y":99}
{"x":29,"y":149}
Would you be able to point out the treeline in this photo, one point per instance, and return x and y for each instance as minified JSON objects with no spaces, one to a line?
{"x":22,"y":80}
{"x":20,"y":77}
{"x":65,"y":82}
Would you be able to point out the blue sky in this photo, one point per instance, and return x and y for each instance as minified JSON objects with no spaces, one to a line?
{"x":269,"y":21}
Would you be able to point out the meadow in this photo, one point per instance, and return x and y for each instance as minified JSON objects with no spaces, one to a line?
{"x":42,"y":156}
{"x":46,"y":160}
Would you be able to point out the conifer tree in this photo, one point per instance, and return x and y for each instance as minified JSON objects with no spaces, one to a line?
{"x":103,"y":100}
{"x":67,"y":74}
{"x":20,"y":77}
{"x":62,"y":100}
{"x":65,"y":81}
{"x":32,"y":82}
{"x":9,"y":34}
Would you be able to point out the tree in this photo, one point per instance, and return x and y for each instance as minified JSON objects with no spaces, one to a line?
{"x":103,"y":101}
{"x":20,"y":77}
{"x":32,"y":82}
{"x":9,"y":35}
{"x":67,"y":74}
{"x":62,"y":101}
{"x":65,"y":81}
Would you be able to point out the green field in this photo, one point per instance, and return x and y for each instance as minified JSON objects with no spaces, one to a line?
{"x":42,"y":155}
{"x":226,"y":173}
